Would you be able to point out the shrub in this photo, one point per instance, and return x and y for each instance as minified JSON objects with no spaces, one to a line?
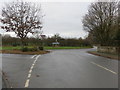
{"x":25,"y":49}
{"x":41,"y":48}
{"x":33,"y":49}
{"x":15,"y":44}
{"x":25,"y":44}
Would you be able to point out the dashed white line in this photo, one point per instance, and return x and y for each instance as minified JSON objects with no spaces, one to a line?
{"x":104,"y":67}
{"x":30,"y":71}
{"x":33,"y":56}
{"x":33,"y":64}
{"x":31,"y":67}
{"x":37,"y":57}
{"x":29,"y":75}
{"x":27,"y":83}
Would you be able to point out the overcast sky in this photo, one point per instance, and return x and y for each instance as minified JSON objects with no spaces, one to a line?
{"x":64,"y":18}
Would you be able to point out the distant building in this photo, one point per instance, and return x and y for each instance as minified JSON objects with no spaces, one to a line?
{"x":55,"y":43}
{"x":43,"y":36}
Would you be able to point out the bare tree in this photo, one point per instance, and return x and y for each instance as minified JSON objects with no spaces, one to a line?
{"x":21,"y":18}
{"x":118,"y":23}
{"x":37,"y":34}
{"x":100,"y":21}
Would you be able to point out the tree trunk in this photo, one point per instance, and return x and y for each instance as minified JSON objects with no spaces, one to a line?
{"x":22,"y":42}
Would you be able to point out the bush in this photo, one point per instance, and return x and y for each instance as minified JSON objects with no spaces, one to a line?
{"x":41,"y":48}
{"x":33,"y":49}
{"x":25,"y":49}
{"x":15,"y":44}
{"x":25,"y":44}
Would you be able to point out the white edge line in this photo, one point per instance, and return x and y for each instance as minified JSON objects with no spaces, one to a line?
{"x":104,"y":67}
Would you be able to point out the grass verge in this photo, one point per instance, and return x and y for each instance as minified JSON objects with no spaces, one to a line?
{"x":20,"y":52}
{"x":47,"y":48}
{"x":107,"y":55}
{"x":12,"y":48}
{"x":17,"y":49}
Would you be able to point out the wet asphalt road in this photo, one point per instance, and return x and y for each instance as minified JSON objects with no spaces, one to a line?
{"x":61,"y":69}
{"x":1,"y":72}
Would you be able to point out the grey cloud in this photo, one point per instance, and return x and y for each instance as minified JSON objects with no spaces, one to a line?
{"x":64,"y":18}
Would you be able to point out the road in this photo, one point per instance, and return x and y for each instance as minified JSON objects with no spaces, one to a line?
{"x":61,"y":69}
{"x":1,"y":71}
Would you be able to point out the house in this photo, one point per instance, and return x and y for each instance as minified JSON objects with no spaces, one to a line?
{"x":55,"y":44}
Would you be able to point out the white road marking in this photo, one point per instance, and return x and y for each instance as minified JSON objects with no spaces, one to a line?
{"x":31,"y":67}
{"x":37,"y":57}
{"x":33,"y":64}
{"x":29,"y":75}
{"x":30,"y":71}
{"x":27,"y":83}
{"x":33,"y":56}
{"x":104,"y":67}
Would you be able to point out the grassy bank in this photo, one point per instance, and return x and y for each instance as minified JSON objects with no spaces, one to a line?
{"x":20,"y":52}
{"x":16,"y":50}
{"x":46,"y":47}
{"x":107,"y":55}
{"x":12,"y":48}
{"x":66,"y":47}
